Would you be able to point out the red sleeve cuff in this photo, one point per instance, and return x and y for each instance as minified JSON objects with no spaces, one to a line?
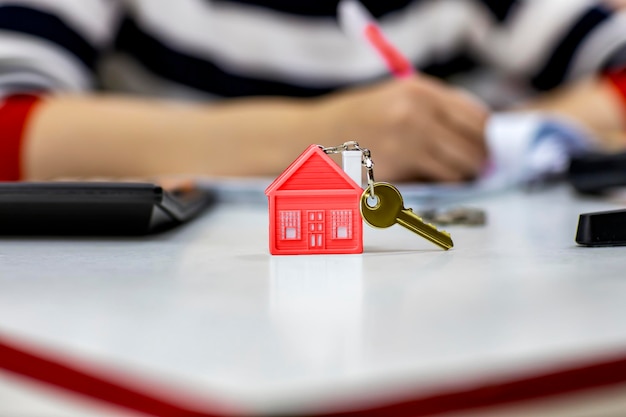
{"x":618,"y":80}
{"x":14,"y":112}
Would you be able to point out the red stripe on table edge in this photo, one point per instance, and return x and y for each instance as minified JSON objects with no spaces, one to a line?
{"x":498,"y":393}
{"x":26,"y":362}
{"x":61,"y":373}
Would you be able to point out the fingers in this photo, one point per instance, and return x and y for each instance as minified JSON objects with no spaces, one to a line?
{"x":459,"y":110}
{"x":444,"y":157}
{"x":452,"y":128}
{"x":446,"y":130}
{"x":463,"y":159}
{"x":466,"y":117}
{"x":432,"y":168}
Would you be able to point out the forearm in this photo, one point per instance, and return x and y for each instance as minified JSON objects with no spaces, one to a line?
{"x":118,"y":136}
{"x":402,"y":122}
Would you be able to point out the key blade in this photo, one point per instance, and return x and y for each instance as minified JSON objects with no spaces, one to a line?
{"x":414,"y":223}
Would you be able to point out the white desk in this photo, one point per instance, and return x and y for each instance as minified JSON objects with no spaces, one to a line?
{"x":206,"y":311}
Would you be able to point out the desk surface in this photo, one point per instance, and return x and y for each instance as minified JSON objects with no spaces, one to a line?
{"x":205,"y":310}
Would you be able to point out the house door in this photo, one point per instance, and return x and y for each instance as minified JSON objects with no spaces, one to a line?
{"x":316,"y":229}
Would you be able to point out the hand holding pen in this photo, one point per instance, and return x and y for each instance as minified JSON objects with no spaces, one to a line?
{"x":418,"y":127}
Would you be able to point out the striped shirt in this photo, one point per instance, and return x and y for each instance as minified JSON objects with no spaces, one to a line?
{"x":201,"y":49}
{"x":206,"y":49}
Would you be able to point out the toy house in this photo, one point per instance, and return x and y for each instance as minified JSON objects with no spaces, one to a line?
{"x":314,"y":208}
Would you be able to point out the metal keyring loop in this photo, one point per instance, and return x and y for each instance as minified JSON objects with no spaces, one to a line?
{"x":366,"y":160}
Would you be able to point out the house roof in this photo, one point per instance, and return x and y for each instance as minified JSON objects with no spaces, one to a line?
{"x":313,"y":170}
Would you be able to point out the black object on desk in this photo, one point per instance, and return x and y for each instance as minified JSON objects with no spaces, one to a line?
{"x":603,"y":228}
{"x":96,"y":208}
{"x":597,"y":173}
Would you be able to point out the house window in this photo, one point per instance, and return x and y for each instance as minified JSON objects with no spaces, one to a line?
{"x":342,"y":224}
{"x":289,"y":224}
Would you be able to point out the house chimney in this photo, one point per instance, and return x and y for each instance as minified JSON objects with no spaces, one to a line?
{"x":351,"y":162}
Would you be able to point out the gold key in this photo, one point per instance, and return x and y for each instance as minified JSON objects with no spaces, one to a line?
{"x":386,"y":208}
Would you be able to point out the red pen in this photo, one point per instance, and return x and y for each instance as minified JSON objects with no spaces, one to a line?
{"x":356,"y":21}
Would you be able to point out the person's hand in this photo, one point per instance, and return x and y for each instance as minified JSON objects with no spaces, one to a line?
{"x":593,"y":103}
{"x":417,"y":129}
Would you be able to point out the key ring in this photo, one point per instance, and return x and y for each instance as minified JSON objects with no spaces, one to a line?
{"x":366,"y":160}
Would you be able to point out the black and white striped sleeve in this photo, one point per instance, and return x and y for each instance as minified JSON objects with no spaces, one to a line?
{"x":53,"y":45}
{"x":548,"y":42}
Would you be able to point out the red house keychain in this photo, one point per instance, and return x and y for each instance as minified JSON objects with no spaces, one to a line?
{"x":315,"y":207}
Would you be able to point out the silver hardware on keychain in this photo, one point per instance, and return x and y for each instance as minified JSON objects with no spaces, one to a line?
{"x":457,"y":215}
{"x":388,"y":207}
{"x":366,"y":160}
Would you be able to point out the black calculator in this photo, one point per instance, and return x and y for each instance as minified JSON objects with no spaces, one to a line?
{"x":97,"y":208}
